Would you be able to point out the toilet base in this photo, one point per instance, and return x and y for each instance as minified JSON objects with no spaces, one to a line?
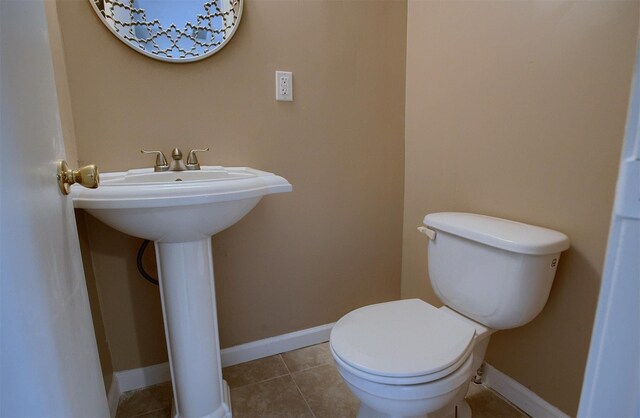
{"x":459,"y":410}
{"x":463,"y":410}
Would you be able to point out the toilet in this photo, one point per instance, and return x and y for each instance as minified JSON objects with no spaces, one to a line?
{"x":408,"y":358}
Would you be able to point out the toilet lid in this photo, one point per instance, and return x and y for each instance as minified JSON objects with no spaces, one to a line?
{"x":403,"y":338}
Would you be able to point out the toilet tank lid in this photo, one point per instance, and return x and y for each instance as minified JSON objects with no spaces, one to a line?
{"x":500,"y":233}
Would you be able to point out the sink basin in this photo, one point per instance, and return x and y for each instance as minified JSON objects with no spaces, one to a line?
{"x":177,"y":206}
{"x":180,"y":211}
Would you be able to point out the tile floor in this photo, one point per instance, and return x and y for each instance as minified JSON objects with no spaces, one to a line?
{"x":301,"y":383}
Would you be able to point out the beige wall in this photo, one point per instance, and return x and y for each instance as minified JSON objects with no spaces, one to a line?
{"x":517,"y":110}
{"x":297,"y":260}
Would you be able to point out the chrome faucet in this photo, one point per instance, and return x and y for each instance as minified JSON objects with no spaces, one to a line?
{"x":176,"y":164}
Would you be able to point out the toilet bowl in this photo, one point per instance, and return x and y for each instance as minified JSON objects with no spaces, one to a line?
{"x":406,"y":400}
{"x":408,"y":358}
{"x":387,"y":356}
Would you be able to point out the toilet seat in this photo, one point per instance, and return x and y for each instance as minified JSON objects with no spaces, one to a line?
{"x":401,"y":342}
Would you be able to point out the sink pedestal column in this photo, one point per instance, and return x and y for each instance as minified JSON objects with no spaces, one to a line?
{"x":185,"y":272}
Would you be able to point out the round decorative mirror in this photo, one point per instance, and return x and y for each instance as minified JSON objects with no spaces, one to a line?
{"x":172,"y":30}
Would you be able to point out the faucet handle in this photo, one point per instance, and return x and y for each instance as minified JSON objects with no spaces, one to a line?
{"x":192,"y":160}
{"x":161,"y":160}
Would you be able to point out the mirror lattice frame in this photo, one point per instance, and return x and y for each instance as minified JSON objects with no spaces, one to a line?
{"x":201,"y":47}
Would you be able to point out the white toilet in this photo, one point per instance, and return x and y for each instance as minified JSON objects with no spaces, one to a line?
{"x":409,"y":359}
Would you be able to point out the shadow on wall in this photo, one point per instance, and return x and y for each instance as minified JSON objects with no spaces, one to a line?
{"x":155,"y":350}
{"x":576,"y":278}
{"x":104,"y":353}
{"x":129,"y":305}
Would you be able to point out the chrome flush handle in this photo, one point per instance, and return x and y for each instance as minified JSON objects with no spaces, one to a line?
{"x":428,"y":232}
{"x":192,"y":160}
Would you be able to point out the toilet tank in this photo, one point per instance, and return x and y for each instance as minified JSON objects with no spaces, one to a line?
{"x":494,"y":271}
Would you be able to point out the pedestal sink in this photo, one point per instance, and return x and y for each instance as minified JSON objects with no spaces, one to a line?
{"x":180,"y":211}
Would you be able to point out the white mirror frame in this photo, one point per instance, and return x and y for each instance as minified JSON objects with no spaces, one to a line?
{"x":137,"y":48}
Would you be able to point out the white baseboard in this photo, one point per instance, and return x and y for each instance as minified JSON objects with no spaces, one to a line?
{"x":519,"y":395}
{"x":142,"y":377}
{"x":113,"y":396}
{"x":275,"y":345}
{"x":127,"y":380}
{"x":124,"y":381}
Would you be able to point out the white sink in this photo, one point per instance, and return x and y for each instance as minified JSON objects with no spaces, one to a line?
{"x":180,"y":211}
{"x":177,"y":206}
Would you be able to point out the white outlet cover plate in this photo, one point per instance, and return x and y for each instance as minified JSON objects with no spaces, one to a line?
{"x":284,"y":86}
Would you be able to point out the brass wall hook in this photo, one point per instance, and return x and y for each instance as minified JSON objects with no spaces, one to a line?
{"x":87,"y":176}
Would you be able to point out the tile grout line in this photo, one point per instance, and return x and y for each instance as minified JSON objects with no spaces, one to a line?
{"x":262,"y":381}
{"x":310,"y":368}
{"x":303,"y":398}
{"x":288,"y":373}
{"x":285,"y":364}
{"x":297,"y":387}
{"x":142,"y":414}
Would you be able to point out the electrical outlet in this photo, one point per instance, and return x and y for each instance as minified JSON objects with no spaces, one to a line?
{"x":284,"y":86}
